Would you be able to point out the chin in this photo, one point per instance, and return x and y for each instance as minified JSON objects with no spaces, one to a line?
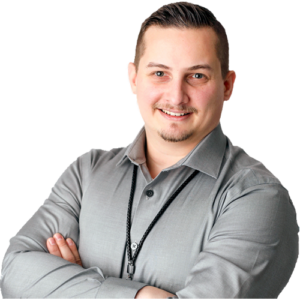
{"x":174,"y":137}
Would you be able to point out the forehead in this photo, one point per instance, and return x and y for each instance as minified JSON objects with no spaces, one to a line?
{"x":179,"y":46}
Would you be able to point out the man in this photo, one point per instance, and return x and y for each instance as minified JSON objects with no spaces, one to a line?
{"x":180,"y":212}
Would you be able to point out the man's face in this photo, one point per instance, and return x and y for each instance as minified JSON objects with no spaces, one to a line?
{"x":179,"y":84}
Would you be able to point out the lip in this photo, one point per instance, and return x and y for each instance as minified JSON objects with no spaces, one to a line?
{"x":174,"y":118}
{"x":173,"y":111}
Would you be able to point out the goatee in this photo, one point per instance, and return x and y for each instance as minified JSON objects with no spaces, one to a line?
{"x":173,"y":137}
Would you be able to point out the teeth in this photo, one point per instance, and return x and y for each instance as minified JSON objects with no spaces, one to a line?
{"x":174,"y":114}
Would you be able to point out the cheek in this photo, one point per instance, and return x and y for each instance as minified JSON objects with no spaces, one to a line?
{"x":147,"y":94}
{"x":208,"y":98}
{"x":205,"y":98}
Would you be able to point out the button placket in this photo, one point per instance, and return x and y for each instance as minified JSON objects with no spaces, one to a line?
{"x":132,"y":258}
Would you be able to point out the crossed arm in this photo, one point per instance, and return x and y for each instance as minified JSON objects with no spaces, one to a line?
{"x":67,"y":250}
{"x":250,"y":252}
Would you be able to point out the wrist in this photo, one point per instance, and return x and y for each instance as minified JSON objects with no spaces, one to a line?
{"x":151,"y":292}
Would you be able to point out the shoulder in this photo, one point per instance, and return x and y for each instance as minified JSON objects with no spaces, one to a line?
{"x":98,"y":157}
{"x":250,"y":190}
{"x":241,"y":167}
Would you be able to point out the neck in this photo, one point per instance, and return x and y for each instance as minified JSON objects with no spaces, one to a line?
{"x":161,"y":154}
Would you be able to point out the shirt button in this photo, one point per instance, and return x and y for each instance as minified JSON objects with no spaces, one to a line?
{"x":149,"y":193}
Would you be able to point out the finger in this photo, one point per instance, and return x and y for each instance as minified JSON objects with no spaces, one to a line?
{"x":52,"y":247}
{"x":64,"y":248}
{"x":73,"y":248}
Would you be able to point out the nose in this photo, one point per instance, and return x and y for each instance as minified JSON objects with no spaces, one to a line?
{"x":176,"y":93}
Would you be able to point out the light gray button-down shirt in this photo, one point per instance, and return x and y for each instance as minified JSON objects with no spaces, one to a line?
{"x":231,"y":232}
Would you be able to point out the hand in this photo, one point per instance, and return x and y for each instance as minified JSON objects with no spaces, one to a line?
{"x":151,"y":292}
{"x":65,"y":249}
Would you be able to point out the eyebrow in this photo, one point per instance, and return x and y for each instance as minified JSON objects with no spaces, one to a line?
{"x":193,"y":68}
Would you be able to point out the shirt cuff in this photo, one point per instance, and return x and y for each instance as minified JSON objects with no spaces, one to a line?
{"x":116,"y":288}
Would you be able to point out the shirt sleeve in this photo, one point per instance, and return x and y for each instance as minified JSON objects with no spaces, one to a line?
{"x":252,"y":248}
{"x":29,"y":271}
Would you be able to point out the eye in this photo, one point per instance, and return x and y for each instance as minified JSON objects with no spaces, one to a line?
{"x":159,"y":73}
{"x":198,"y":75}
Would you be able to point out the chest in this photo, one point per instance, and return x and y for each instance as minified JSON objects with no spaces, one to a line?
{"x":172,"y":246}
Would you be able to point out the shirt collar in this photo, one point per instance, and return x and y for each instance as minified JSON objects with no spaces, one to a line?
{"x":135,"y":152}
{"x":206,"y":157}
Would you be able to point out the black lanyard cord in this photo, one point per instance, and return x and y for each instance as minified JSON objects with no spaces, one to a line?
{"x":132,"y":259}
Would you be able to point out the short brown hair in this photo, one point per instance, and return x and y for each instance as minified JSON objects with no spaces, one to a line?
{"x":186,"y":15}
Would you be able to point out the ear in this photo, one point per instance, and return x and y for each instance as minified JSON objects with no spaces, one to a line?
{"x":228,"y":84}
{"x":132,"y":74}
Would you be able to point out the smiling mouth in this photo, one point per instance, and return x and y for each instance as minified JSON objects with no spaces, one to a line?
{"x":174,"y":114}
